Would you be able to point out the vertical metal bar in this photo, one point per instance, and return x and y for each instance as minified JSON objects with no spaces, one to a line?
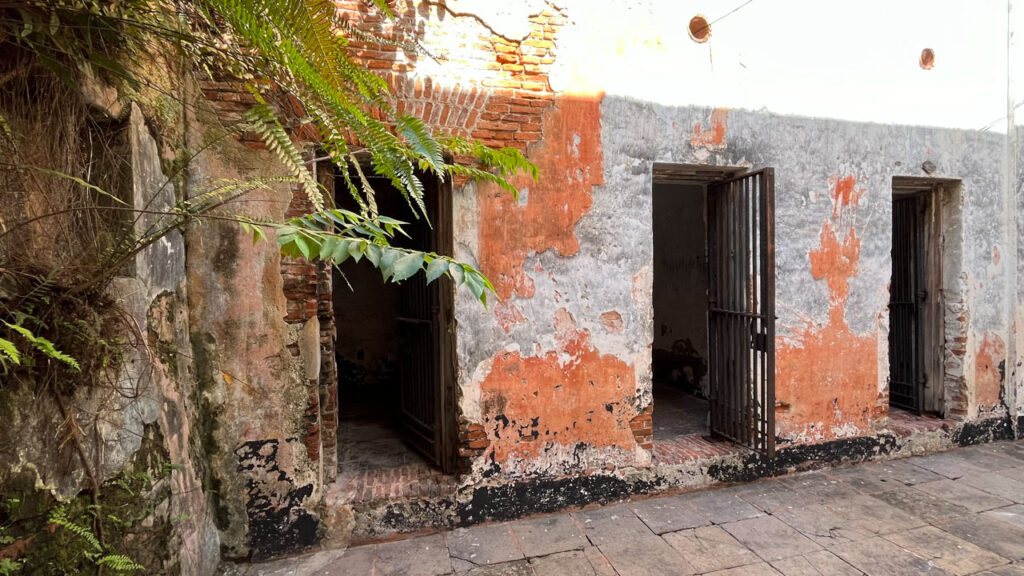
{"x":768,"y":243}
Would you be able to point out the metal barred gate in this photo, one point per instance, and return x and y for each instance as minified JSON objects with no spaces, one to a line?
{"x":741,"y":309}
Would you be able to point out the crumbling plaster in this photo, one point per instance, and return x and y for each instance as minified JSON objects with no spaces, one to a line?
{"x":252,"y":391}
{"x":811,"y":157}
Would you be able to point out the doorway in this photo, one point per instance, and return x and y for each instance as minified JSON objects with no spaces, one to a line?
{"x":916,"y":310}
{"x":395,"y":349}
{"x":713,"y":347}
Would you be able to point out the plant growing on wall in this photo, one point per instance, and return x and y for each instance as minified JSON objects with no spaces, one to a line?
{"x":60,"y":327}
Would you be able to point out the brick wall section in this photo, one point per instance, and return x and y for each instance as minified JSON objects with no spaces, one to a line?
{"x":307,"y":290}
{"x":473,"y":442}
{"x":494,"y":90}
{"x":642,"y":426}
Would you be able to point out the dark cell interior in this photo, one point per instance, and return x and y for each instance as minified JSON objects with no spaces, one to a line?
{"x":680,"y":351}
{"x":369,"y":349}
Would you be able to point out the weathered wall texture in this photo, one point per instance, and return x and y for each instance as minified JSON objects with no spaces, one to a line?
{"x":256,"y":364}
{"x":571,"y":258}
{"x":148,"y":413}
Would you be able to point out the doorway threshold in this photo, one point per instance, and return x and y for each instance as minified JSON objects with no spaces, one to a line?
{"x":904,"y":424}
{"x":688,"y":448}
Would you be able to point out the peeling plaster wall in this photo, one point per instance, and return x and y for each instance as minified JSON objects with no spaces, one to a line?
{"x":833,"y":222}
{"x":255,"y":373}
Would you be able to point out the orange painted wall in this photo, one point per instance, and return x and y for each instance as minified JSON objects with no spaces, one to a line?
{"x":826,"y":375}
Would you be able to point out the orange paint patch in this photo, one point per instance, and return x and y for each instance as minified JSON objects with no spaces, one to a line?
{"x":836,"y":263}
{"x":845,"y":194}
{"x":988,"y":382}
{"x":612,"y":321}
{"x":571,"y":163}
{"x":567,"y":396}
{"x":826,"y":378}
{"x":714,"y":137}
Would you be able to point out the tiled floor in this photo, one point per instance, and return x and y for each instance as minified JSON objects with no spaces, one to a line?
{"x":375,"y":464}
{"x":677,"y":413}
{"x":960,"y":512}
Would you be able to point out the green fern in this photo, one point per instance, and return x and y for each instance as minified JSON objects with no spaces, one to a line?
{"x":41,"y":344}
{"x":119,"y":563}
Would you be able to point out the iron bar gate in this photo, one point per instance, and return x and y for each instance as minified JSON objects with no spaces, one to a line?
{"x":741,"y":309}
{"x":905,"y":297}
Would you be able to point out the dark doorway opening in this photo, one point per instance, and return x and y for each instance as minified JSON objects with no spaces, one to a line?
{"x":680,"y":351}
{"x":395,"y":353}
{"x":916,"y":310}
{"x":713,"y":349}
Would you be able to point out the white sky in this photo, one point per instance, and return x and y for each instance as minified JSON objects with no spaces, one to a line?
{"x":849,"y":60}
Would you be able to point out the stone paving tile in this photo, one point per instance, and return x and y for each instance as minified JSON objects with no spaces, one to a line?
{"x":710,"y":548}
{"x":879,"y":557}
{"x":818,"y":486}
{"x":868,"y":514}
{"x":822,"y":524}
{"x":903,"y":471}
{"x":770,"y":495}
{"x":356,"y":561}
{"x":759,"y":569}
{"x":815,"y":564}
{"x":547,"y":535}
{"x":668,"y":514}
{"x":948,"y":464}
{"x":606,"y":525}
{"x":1002,"y":538}
{"x":1010,"y":514}
{"x":921,"y":504}
{"x":946,"y":551}
{"x":989,"y":458}
{"x":482,"y":545}
{"x":1010,"y":570}
{"x":997,"y":485}
{"x":574,"y":563}
{"x":866,"y":480}
{"x":1012,"y":473}
{"x":645,"y":556}
{"x":423,"y":556}
{"x":770,"y":538}
{"x":601,"y":564}
{"x":517,"y":568}
{"x":961,"y":494}
{"x":722,"y":506}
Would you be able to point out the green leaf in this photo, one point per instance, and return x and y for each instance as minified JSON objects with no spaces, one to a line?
{"x":387,"y":262}
{"x":355,"y":249}
{"x":436,"y":268}
{"x":406,"y":266}
{"x":341,"y":252}
{"x":303,"y":246}
{"x":373,"y":254}
{"x":458,"y":273}
{"x":328,"y":246}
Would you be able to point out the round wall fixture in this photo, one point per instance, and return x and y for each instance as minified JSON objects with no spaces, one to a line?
{"x":927,"y":58}
{"x":699,"y":29}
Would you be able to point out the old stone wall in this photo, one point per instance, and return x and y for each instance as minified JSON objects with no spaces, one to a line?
{"x":137,"y":417}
